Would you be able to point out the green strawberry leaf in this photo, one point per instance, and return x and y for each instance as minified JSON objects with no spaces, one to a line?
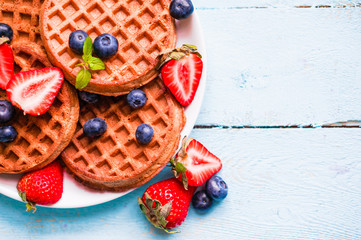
{"x":82,"y":78}
{"x":96,"y":64}
{"x":87,"y":48}
{"x":179,"y":167}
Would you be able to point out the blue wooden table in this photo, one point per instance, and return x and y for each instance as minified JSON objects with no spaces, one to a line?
{"x":281,"y":110}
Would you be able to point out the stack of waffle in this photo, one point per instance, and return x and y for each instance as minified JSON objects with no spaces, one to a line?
{"x":115,"y":161}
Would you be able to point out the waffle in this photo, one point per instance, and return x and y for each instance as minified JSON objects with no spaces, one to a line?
{"x":40,"y":138}
{"x":115,"y":161}
{"x":144,"y":30}
{"x":23,"y":17}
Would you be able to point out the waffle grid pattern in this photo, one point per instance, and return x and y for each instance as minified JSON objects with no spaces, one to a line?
{"x":37,"y":137}
{"x":23,"y":17}
{"x":143,"y":28}
{"x":40,"y":139}
{"x":27,"y":56}
{"x":116,"y":154}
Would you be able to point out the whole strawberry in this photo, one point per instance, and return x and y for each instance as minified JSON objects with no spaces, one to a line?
{"x":44,"y":186}
{"x":166,"y":203}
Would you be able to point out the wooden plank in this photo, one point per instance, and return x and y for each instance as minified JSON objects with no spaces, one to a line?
{"x":214,"y":4}
{"x":276,"y":67}
{"x":284,"y":184}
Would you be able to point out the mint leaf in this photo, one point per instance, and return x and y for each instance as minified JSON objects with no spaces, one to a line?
{"x":87,"y":48}
{"x":82,"y":78}
{"x":86,"y":59}
{"x":96,"y":64}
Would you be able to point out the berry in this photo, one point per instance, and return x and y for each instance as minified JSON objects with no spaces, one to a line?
{"x":94,"y":127}
{"x":144,"y":133}
{"x":201,"y":200}
{"x":7,"y":111}
{"x":44,"y":186}
{"x":6,"y":65}
{"x":166,"y":203}
{"x":136,"y":98}
{"x":7,"y":134}
{"x":88,"y":97}
{"x":182,"y":75}
{"x":105,"y":46}
{"x":194,"y":164}
{"x":34,"y":91}
{"x":6,"y":31}
{"x":217,"y":188}
{"x":181,"y":9}
{"x":76,"y":41}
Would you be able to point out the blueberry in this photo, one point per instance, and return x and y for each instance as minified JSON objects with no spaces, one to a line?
{"x":7,"y":134}
{"x":136,"y":98}
{"x":89,"y":97}
{"x":105,"y":46}
{"x":181,"y":9}
{"x":7,"y":111}
{"x":144,"y":133}
{"x":94,"y":127}
{"x":201,"y":200}
{"x":216,"y":188}
{"x":6,"y":31}
{"x":76,"y":41}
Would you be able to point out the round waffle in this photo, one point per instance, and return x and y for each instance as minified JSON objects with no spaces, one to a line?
{"x":23,"y":17}
{"x":144,"y":30}
{"x":40,"y":138}
{"x":115,"y":161}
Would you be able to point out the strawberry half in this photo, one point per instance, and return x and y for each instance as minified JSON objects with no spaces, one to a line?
{"x":34,"y":91}
{"x":6,"y":64}
{"x":182,"y":72}
{"x":194,"y":164}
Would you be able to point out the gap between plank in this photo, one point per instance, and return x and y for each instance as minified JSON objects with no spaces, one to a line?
{"x":348,"y":124}
{"x":347,"y":6}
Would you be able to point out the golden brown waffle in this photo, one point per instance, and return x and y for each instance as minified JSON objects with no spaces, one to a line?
{"x":40,"y":138}
{"x":23,"y":17}
{"x":144,"y":30}
{"x":115,"y":161}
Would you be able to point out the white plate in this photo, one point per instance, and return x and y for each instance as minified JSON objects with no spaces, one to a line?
{"x":76,"y":195}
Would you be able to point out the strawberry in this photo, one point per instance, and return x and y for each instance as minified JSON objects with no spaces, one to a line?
{"x":6,"y":64}
{"x":194,"y":164}
{"x":166,"y":203}
{"x":44,"y":186}
{"x":181,"y":73}
{"x":34,"y":91}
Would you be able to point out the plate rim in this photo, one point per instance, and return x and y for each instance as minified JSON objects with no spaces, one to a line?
{"x":193,"y":111}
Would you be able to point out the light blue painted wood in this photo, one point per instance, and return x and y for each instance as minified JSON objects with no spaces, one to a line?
{"x":270,"y":67}
{"x":214,"y":4}
{"x":284,"y":184}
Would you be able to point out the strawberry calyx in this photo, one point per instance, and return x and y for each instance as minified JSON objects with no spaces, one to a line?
{"x":29,"y":205}
{"x":178,"y":53}
{"x":178,"y":168}
{"x":155,"y":212}
{"x":4,"y":40}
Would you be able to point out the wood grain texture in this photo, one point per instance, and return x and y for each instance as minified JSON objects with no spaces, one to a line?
{"x":284,"y":184}
{"x":272,"y":67}
{"x":215,"y":4}
{"x":270,"y":64}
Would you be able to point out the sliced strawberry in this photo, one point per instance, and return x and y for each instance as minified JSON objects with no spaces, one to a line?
{"x":34,"y":91}
{"x":182,"y":74}
{"x":6,"y":64}
{"x":194,"y":164}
